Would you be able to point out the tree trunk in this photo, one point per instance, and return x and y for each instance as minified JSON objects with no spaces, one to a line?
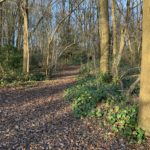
{"x":25,"y":38}
{"x":119,"y":54}
{"x":1,"y":24}
{"x":144,"y":112}
{"x":104,"y":36}
{"x":115,"y":49}
{"x":114,"y":28}
{"x":20,"y":30}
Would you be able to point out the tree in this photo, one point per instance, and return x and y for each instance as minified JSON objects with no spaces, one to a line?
{"x":104,"y":36}
{"x":24,"y":7}
{"x":1,"y":25}
{"x":114,"y":38}
{"x":144,"y":112}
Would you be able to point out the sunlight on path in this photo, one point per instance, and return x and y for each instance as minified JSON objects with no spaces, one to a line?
{"x":38,"y":118}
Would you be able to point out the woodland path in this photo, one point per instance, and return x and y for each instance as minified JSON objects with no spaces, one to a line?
{"x":38,"y":118}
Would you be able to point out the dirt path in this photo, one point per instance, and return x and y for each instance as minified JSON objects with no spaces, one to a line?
{"x":38,"y":118}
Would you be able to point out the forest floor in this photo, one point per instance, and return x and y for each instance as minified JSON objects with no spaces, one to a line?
{"x":38,"y":118}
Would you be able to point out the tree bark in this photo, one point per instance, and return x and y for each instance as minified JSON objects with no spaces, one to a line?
{"x":1,"y":24}
{"x":114,"y":28}
{"x":25,"y":38}
{"x":104,"y":36}
{"x":144,"y":112}
{"x":115,"y":49}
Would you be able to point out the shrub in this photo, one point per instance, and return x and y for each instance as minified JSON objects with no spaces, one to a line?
{"x":13,"y":77}
{"x":11,"y":58}
{"x":37,"y":77}
{"x":11,"y":67}
{"x":86,"y":93}
{"x":123,"y":118}
{"x":101,"y":97}
{"x":84,"y":104}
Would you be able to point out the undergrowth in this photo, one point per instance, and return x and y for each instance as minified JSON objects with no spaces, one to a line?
{"x":14,"y":78}
{"x":11,"y":60}
{"x":101,"y":97}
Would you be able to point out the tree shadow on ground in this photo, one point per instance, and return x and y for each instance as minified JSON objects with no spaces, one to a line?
{"x":41,"y":119}
{"x":62,"y":132}
{"x":23,"y":111}
{"x":43,"y":90}
{"x":27,"y":95}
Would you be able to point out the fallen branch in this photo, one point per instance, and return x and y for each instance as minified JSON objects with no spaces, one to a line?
{"x":133,"y":86}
